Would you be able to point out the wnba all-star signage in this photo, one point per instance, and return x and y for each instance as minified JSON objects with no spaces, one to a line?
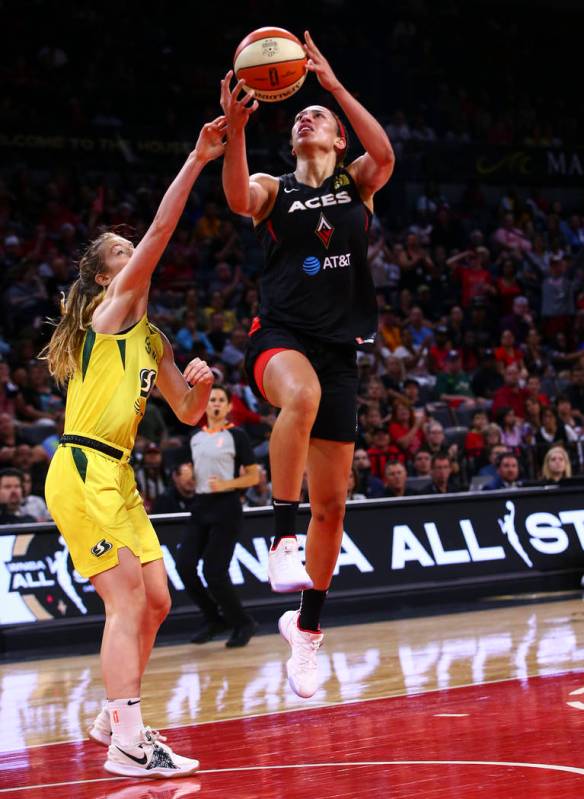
{"x":387,"y":545}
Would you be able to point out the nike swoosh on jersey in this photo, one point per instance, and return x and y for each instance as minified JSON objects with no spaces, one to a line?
{"x":140,"y":760}
{"x":287,"y":191}
{"x":137,"y":702}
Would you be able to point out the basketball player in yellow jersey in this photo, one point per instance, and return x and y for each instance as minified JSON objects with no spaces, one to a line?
{"x":110,"y":356}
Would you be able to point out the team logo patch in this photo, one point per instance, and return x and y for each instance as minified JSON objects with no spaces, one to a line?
{"x":101,"y":548}
{"x":340,"y":181}
{"x":324,"y":230}
{"x":311,"y":265}
{"x":147,"y":378}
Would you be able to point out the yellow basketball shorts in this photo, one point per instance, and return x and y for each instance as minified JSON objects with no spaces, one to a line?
{"x":96,"y":506}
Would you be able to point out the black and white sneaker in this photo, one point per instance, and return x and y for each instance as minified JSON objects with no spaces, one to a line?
{"x":101,"y":730}
{"x":147,"y":758}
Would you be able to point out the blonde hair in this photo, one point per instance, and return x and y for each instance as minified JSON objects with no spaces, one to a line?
{"x":62,"y":351}
{"x":546,"y":463}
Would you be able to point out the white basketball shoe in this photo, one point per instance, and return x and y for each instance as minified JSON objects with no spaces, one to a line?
{"x":302,"y":665}
{"x":147,"y":758}
{"x":286,"y":571}
{"x":101,"y":730}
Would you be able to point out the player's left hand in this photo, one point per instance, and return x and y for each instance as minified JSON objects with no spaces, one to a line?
{"x":197,"y":372}
{"x":318,"y":64}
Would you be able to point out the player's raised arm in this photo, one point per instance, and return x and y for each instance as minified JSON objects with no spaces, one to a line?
{"x":248,"y":196}
{"x":132,"y":281}
{"x":372,"y":170}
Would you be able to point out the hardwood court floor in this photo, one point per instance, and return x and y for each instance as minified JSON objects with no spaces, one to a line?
{"x":481,"y":704}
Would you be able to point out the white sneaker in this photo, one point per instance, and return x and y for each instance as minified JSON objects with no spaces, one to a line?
{"x":302,"y":666}
{"x":101,"y":729}
{"x":147,"y":758}
{"x":286,"y":571}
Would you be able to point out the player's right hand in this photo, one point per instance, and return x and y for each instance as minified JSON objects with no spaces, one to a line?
{"x":237,"y":111}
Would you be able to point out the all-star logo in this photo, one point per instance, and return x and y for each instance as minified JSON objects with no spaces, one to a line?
{"x":324,"y":230}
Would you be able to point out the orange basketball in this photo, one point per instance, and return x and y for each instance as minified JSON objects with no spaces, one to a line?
{"x":272,"y":62}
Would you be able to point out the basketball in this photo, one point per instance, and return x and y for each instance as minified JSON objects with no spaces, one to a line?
{"x":272,"y":62}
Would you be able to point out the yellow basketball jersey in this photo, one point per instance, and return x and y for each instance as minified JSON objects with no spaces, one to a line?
{"x":106,"y":397}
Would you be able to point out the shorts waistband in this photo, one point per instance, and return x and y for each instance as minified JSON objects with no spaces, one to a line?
{"x":98,"y":446}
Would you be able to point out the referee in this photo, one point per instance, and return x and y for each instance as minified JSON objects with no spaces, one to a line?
{"x":219,"y":450}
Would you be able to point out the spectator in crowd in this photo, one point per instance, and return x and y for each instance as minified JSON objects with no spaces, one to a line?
{"x":453,"y":385}
{"x":510,"y":238}
{"x":33,"y":505}
{"x":474,"y":441}
{"x":441,"y":474}
{"x":234,"y":350}
{"x":494,"y":453}
{"x":178,"y":497}
{"x":556,"y":465}
{"x":395,"y":481}
{"x":487,"y":379}
{"x":420,"y":332}
{"x":575,"y":391}
{"x":535,"y":355}
{"x":150,"y":476}
{"x":260,"y":494}
{"x":411,"y":391}
{"x":557,"y":298}
{"x":382,"y":451}
{"x":405,"y":428}
{"x":189,"y":337}
{"x":422,"y":463}
{"x":11,"y":497}
{"x":552,"y":430}
{"x":367,"y":484}
{"x":520,"y":321}
{"x":507,"y":353}
{"x":439,"y":351}
{"x":572,"y":419}
{"x":511,"y":433}
{"x":507,"y":473}
{"x":510,"y":394}
{"x":352,"y":493}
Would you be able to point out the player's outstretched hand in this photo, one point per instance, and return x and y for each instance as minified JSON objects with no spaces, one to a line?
{"x":197,"y":372}
{"x":211,"y":141}
{"x":318,"y":64}
{"x":236,"y":109}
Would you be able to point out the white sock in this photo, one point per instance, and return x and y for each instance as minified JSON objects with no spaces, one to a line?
{"x":126,"y":719}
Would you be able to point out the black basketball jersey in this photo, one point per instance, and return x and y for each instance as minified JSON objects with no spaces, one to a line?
{"x":316,"y":279}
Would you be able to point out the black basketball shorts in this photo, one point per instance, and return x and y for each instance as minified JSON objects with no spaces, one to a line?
{"x":336,"y":368}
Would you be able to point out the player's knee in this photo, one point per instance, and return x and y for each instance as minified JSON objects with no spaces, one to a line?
{"x":304,"y":400}
{"x":159,"y":604}
{"x":128,"y":601}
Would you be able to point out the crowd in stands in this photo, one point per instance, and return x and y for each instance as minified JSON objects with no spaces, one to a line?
{"x":477,"y":375}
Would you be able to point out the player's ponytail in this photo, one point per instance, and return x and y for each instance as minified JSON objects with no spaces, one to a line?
{"x":62,"y":351}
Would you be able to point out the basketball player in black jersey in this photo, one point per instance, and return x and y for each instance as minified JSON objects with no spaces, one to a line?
{"x":317,"y":304}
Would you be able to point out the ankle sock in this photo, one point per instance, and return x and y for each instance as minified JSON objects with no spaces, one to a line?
{"x":126,"y":719}
{"x":284,"y":520}
{"x":310,"y":609}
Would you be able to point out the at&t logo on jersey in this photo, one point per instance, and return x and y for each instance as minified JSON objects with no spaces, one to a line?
{"x":339,"y":198}
{"x":312,"y":266}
